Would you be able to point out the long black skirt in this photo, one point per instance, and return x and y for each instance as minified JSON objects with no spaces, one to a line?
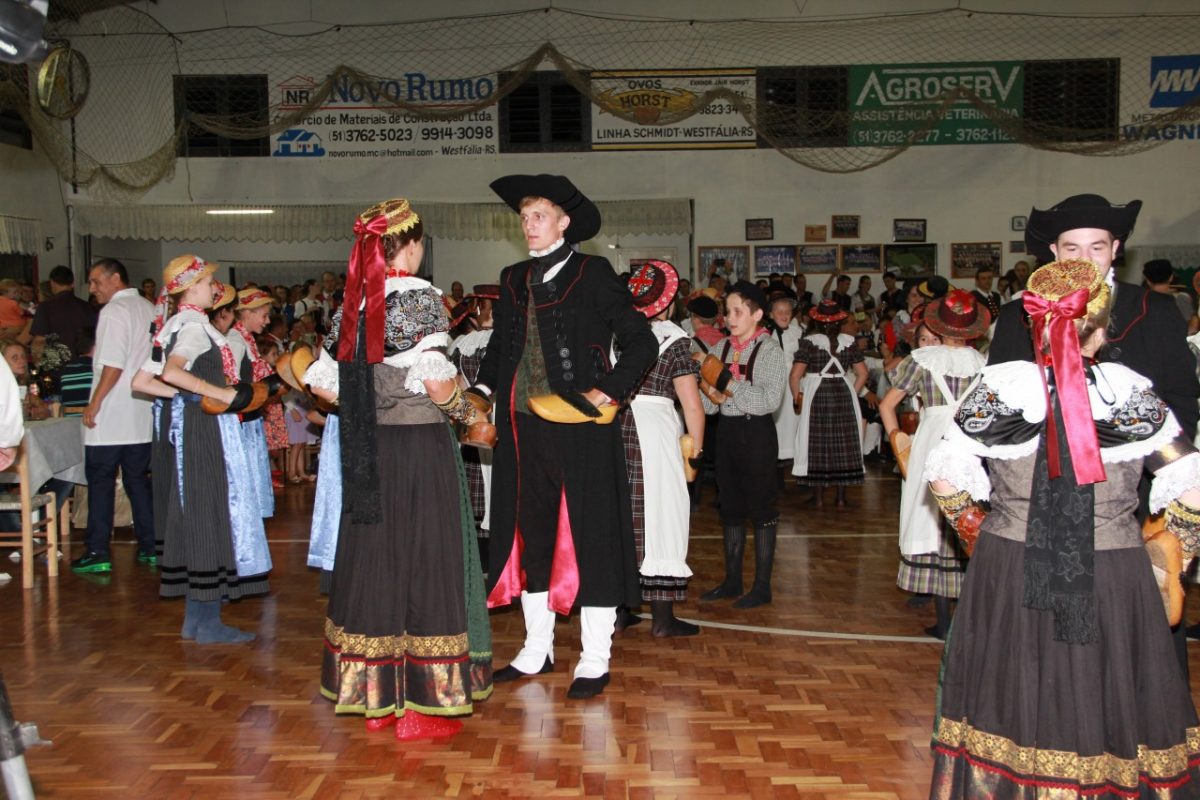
{"x":396,"y":635}
{"x":197,"y":556}
{"x":1025,"y":716}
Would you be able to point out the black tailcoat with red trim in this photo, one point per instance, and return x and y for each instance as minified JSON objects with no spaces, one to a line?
{"x":1146,"y":333}
{"x":579,"y":312}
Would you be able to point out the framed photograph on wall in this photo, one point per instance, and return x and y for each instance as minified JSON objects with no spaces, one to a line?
{"x":759,"y":229}
{"x":908,"y":230}
{"x":967,"y":257}
{"x":731,"y":262}
{"x":770,"y":258}
{"x":812,"y":258}
{"x":1016,"y":246}
{"x":1018,"y":223}
{"x":631,"y":259}
{"x":911,"y":261}
{"x":844,"y":226}
{"x":815,"y":233}
{"x":862,"y":257}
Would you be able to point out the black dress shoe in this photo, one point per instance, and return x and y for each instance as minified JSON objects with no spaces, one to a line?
{"x":585,"y":688}
{"x":511,"y":673}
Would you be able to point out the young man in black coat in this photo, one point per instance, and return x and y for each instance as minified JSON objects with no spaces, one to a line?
{"x":561,"y":531}
{"x":1145,"y":331}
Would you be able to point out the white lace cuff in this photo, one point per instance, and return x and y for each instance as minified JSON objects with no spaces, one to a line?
{"x":1173,"y":480}
{"x":431,"y":366}
{"x":949,"y":463}
{"x":323,"y":373}
{"x":155,"y":368}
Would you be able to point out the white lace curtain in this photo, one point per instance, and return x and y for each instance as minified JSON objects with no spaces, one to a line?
{"x":20,"y":235}
{"x":472,"y":221}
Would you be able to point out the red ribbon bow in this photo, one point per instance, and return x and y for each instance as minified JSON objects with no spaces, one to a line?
{"x":1071,"y":384}
{"x":365,"y":276}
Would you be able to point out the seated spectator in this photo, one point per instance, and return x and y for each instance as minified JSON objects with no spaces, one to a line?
{"x":76,"y":377}
{"x":17,"y":358}
{"x":13,"y":321}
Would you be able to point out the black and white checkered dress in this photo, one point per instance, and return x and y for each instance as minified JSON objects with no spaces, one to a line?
{"x":674,"y":362}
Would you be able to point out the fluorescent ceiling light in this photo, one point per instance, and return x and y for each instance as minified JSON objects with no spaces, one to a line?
{"x":240,"y":211}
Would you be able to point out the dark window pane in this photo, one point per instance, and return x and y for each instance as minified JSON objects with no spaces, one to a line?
{"x":239,"y":101}
{"x":1072,"y":101}
{"x":802,"y":106}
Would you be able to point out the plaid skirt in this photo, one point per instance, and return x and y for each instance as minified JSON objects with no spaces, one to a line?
{"x":939,"y":573}
{"x":474,"y":470}
{"x":660,"y":587}
{"x":834,"y":451}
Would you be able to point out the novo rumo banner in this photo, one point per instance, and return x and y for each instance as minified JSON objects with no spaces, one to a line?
{"x":360,"y":119}
{"x":888,"y":102}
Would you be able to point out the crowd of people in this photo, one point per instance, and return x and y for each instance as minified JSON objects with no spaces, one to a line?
{"x":562,"y":414}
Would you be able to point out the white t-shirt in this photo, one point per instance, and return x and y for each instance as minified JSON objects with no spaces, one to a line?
{"x":122,"y":341}
{"x":12,"y":421}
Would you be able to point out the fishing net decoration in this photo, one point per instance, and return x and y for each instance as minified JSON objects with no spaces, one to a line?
{"x":126,"y":138}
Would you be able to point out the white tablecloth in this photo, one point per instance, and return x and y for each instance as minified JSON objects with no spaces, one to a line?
{"x":55,"y":449}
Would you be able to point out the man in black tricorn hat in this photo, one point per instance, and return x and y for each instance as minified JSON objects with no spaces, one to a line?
{"x":561,"y":532}
{"x":1145,"y":331}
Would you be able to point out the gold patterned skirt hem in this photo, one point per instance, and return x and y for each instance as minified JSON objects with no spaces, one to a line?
{"x":971,"y":762}
{"x":380,"y":675}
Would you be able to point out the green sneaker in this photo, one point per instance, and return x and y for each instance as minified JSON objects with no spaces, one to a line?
{"x":91,"y":563}
{"x":149,"y":559}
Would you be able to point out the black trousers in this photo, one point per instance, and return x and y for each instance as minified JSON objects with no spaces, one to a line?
{"x":539,"y":495}
{"x":747,"y":449}
{"x":100,"y":465}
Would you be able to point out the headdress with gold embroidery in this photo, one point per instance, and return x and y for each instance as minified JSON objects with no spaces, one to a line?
{"x":1056,"y":280}
{"x":366,"y":275}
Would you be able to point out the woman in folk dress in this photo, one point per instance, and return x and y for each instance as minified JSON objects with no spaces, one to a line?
{"x":931,"y":561}
{"x":651,"y":432}
{"x":827,"y":375}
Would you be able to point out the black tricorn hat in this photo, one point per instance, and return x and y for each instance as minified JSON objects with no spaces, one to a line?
{"x":1078,"y":211}
{"x":585,"y":217}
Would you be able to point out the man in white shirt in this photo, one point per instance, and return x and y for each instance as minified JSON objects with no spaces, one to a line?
{"x":117,"y":422}
{"x":12,"y":424}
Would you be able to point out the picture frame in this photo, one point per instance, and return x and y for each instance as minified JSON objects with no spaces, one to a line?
{"x":760,"y":229}
{"x":770,"y":258}
{"x":908,"y":230}
{"x":967,"y":257}
{"x":861,"y":257}
{"x":815,"y":233}
{"x":734,"y":262}
{"x":632,"y":258}
{"x":816,"y":258}
{"x":1016,"y":246}
{"x":1019,"y":223}
{"x":844,"y":226}
{"x":911,"y":261}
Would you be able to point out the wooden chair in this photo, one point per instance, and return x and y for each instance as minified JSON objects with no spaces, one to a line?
{"x":26,"y":501}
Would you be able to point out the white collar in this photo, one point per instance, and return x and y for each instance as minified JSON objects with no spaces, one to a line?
{"x":539,"y":253}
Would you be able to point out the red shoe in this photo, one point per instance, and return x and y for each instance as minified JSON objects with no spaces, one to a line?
{"x":381,"y":723}
{"x":423,"y":726}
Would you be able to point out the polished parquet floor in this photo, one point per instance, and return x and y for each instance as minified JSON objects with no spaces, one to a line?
{"x":828,"y":692}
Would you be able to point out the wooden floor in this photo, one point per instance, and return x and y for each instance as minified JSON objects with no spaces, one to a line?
{"x":828,"y":692}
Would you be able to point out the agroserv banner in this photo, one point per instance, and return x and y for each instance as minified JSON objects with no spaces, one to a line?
{"x":649,"y":94}
{"x":889,"y":102}
{"x":359,"y":121}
